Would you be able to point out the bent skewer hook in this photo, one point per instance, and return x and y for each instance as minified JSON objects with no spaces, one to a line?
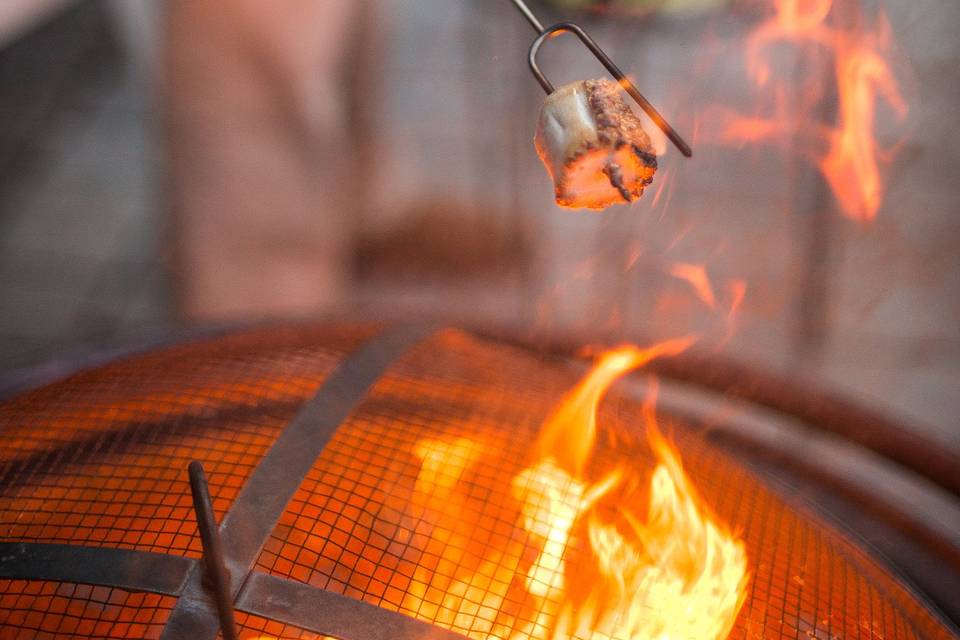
{"x":544,"y":34}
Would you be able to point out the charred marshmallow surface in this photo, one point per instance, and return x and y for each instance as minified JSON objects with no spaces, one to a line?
{"x":594,"y":146}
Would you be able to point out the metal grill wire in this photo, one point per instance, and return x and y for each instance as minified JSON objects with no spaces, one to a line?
{"x":103,"y":453}
{"x":46,"y":609}
{"x":251,"y":627}
{"x":357,"y":527}
{"x":101,"y":459}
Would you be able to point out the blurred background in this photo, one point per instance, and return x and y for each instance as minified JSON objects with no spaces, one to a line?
{"x":171,"y":165}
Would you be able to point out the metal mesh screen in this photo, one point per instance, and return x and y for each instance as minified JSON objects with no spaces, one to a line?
{"x":99,"y":460}
{"x":357,"y":526}
{"x":251,"y":627}
{"x":352,"y":527}
{"x":45,"y":609}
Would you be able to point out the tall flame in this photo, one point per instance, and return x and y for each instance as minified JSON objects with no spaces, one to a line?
{"x":594,"y":563}
{"x":846,"y":152}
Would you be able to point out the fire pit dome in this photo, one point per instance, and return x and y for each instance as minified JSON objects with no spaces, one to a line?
{"x":308,"y":435}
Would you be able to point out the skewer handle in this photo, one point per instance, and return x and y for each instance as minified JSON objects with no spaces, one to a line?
{"x":532,"y":19}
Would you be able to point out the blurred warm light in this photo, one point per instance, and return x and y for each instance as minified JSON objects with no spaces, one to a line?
{"x":846,"y":152}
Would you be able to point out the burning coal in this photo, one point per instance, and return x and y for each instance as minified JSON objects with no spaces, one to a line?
{"x":618,"y":556}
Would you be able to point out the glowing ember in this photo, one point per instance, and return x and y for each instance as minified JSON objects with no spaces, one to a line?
{"x":846,"y":153}
{"x":605,"y":558}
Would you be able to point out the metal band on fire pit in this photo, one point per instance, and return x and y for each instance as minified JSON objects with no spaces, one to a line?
{"x":330,"y":613}
{"x":252,"y":517}
{"x":263,"y":595}
{"x":122,"y":568}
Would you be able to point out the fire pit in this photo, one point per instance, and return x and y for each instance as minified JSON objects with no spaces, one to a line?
{"x":335,"y":456}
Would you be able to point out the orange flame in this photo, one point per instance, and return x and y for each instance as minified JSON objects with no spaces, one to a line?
{"x":847,"y":153}
{"x":696,"y":276}
{"x":593,"y":564}
{"x":737,"y":292}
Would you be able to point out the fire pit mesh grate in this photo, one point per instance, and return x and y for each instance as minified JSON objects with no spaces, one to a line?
{"x":48,"y":609}
{"x":99,"y":461}
{"x":357,"y":527}
{"x":251,"y":626}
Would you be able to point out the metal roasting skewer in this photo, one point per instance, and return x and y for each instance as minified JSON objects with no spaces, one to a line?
{"x":543,"y":34}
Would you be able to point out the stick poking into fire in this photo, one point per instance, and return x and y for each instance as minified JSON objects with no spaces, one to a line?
{"x":592,"y":554}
